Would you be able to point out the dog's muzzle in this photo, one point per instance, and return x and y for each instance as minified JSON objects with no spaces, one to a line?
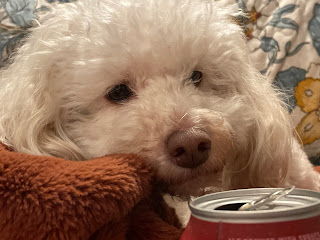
{"x":189,"y":148}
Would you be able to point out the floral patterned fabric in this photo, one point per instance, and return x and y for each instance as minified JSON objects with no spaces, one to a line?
{"x":284,"y":40}
{"x":17,"y":17}
{"x":283,"y":37}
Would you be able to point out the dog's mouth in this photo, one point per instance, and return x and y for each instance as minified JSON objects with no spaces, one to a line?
{"x":197,"y":186}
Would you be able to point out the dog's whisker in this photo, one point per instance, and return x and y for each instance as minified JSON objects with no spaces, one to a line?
{"x":184,"y":115}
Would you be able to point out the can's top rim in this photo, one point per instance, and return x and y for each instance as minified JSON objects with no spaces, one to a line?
{"x":311,"y":208}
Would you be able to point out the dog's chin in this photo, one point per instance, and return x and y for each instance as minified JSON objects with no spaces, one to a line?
{"x":196,"y":184}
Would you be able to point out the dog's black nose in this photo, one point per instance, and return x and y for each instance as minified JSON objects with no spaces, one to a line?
{"x":189,"y":148}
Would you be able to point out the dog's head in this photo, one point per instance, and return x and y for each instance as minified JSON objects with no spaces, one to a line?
{"x":169,"y":80}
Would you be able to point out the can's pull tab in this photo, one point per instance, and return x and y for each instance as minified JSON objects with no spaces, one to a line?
{"x":266,"y":199}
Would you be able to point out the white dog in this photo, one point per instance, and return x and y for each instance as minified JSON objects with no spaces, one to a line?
{"x":169,"y":80}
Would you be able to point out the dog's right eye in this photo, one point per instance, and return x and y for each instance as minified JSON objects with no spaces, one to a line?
{"x":196,"y":78}
{"x":119,"y":93}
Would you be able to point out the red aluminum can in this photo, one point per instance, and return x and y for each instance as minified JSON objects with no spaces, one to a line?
{"x":216,"y":216}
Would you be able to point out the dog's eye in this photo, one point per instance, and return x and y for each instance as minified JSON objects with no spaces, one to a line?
{"x":119,"y":93}
{"x":196,"y":77}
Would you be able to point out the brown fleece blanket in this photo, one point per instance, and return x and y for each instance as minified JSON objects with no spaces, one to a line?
{"x":43,"y":197}
{"x":107,"y":198}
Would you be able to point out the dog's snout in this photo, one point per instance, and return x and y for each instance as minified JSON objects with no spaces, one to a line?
{"x":190,"y":148}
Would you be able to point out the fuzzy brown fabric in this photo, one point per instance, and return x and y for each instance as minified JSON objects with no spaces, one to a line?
{"x":107,"y":198}
{"x":46,"y":198}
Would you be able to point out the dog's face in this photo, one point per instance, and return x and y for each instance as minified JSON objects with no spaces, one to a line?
{"x":168,"y":80}
{"x":160,"y":87}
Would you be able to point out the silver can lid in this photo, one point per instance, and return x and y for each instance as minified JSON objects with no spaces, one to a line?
{"x":223,"y":206}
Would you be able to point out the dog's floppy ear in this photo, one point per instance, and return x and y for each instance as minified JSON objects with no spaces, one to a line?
{"x":30,"y":115}
{"x":262,"y":159}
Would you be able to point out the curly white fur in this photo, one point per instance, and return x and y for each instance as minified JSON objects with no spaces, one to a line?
{"x":53,"y":100}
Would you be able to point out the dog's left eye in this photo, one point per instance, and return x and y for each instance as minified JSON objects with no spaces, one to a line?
{"x":196,"y":77}
{"x":119,"y":93}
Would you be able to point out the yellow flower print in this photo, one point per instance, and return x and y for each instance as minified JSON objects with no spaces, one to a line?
{"x":254,"y":15}
{"x":307,"y":94}
{"x":309,"y":128}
